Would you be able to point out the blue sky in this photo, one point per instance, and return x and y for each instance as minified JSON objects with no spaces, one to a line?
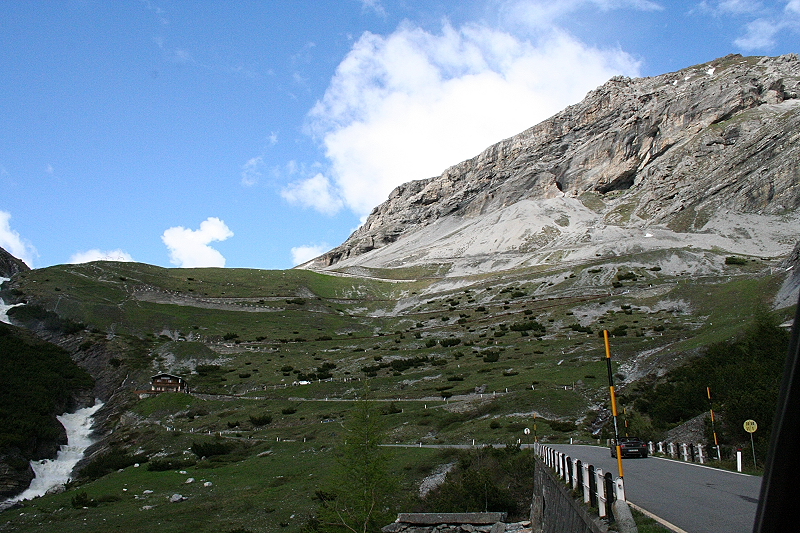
{"x":260,"y":134}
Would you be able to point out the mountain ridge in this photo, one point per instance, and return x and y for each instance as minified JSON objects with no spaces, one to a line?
{"x":683,"y":153}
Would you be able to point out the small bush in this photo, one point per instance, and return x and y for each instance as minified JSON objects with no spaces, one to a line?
{"x":491,"y":357}
{"x":260,"y":420}
{"x":81,"y":500}
{"x":447,"y":343}
{"x":732,"y":260}
{"x":210,"y":449}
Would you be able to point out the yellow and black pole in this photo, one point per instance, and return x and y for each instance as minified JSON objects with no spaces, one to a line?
{"x":613,"y":403}
{"x":713,"y":426}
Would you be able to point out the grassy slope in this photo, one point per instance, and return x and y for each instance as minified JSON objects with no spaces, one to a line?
{"x":352,"y":323}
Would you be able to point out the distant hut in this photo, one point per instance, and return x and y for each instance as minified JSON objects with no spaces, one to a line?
{"x":168,"y":383}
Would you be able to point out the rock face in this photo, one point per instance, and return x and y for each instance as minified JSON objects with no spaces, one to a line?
{"x":16,"y":474}
{"x":10,"y":265}
{"x":685,"y":152}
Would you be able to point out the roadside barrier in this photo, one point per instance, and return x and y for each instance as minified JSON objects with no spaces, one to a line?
{"x":685,"y":451}
{"x":597,"y":489}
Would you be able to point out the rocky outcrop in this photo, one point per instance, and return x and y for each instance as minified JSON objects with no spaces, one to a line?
{"x":16,"y":474}
{"x":672,"y":151}
{"x":10,"y":265}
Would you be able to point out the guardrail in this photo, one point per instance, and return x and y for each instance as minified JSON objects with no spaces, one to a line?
{"x":686,"y":451}
{"x":598,"y":489}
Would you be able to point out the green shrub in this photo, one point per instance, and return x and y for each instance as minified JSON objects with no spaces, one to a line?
{"x":491,"y":356}
{"x":529,"y":325}
{"x":449,"y":342}
{"x":260,"y":420}
{"x":733,"y":260}
{"x":115,"y":459}
{"x":81,"y":500}
{"x":210,"y":448}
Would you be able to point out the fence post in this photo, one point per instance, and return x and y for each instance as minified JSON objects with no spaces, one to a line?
{"x":660,"y":447}
{"x":574,"y":471}
{"x":684,"y":452}
{"x":672,"y":449}
{"x":587,"y":486}
{"x":608,"y":489}
{"x":601,"y":492}
{"x":592,"y":487}
{"x":691,"y":451}
{"x":700,"y":454}
{"x":568,"y":477}
{"x":651,"y":449}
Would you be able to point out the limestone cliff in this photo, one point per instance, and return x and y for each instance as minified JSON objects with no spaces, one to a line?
{"x":689,"y":152}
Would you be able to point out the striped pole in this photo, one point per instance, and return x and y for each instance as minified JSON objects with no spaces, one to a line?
{"x":713,"y":427}
{"x":613,"y":403}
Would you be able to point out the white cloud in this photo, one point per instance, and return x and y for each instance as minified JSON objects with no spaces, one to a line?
{"x":12,"y":243}
{"x":302,"y":254}
{"x":545,"y":13}
{"x":373,"y":5}
{"x":760,"y":35}
{"x":793,"y":7}
{"x":738,"y":7}
{"x":99,"y":255}
{"x":313,"y":192}
{"x":408,"y":105}
{"x":190,"y":248}
{"x":251,"y":171}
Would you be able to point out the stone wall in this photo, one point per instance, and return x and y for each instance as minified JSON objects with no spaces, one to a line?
{"x":555,"y":510}
{"x":455,"y":523}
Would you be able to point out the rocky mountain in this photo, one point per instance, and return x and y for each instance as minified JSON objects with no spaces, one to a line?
{"x":702,"y":158}
{"x":10,"y":265}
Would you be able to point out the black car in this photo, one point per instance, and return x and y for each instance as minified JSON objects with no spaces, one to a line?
{"x":630,"y":447}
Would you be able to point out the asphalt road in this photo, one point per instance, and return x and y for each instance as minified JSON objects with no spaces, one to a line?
{"x":695,"y":498}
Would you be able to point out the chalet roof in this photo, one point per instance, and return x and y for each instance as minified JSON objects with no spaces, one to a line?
{"x":165,"y":375}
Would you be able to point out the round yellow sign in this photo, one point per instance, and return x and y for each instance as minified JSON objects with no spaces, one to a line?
{"x":750,"y":426}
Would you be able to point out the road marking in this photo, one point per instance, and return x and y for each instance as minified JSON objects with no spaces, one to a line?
{"x":668,"y":525}
{"x":703,"y":466}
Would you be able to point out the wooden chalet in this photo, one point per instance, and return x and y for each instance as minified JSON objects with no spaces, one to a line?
{"x":168,"y":383}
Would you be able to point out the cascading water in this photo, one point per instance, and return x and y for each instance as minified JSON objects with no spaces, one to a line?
{"x":51,"y":473}
{"x":3,"y":307}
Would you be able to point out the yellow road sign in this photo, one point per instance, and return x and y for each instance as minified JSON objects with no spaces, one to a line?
{"x":750,"y":426}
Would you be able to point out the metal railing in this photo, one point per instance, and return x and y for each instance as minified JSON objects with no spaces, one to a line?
{"x":597,"y":489}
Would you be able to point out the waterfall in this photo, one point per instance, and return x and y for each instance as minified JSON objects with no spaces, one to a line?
{"x":51,"y":473}
{"x":3,"y":307}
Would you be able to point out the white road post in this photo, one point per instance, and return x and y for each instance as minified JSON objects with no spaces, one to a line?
{"x":600,"y":482}
{"x":585,"y":478}
{"x":738,"y":460}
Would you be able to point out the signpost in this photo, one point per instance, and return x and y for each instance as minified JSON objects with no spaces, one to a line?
{"x":613,"y":403}
{"x":713,"y":428}
{"x":750,"y":426}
